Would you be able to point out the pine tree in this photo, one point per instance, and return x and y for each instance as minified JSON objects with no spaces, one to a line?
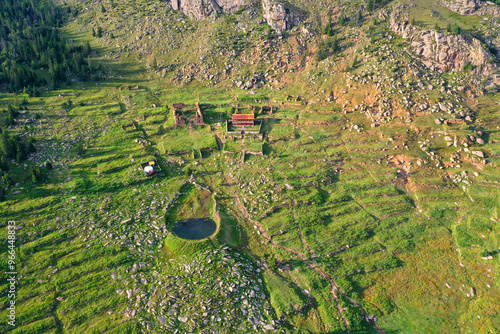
{"x":321,"y":53}
{"x":341,"y":20}
{"x":3,"y":163}
{"x":87,"y":49}
{"x":354,"y":62}
{"x":328,"y":27}
{"x":370,"y":5}
{"x":6,"y":180}
{"x":34,"y":178}
{"x":5,"y":144}
{"x":333,"y":44}
{"x":359,"y":17}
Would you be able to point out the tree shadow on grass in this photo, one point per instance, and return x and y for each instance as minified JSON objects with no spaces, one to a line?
{"x":126,"y":72}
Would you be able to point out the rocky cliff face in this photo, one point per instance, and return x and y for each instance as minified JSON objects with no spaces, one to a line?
{"x":444,"y":51}
{"x":206,"y":9}
{"x":275,"y":12}
{"x":278,"y":16}
{"x":463,"y":7}
{"x":490,"y":14}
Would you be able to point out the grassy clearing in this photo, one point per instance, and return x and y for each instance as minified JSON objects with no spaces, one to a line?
{"x":392,"y":241}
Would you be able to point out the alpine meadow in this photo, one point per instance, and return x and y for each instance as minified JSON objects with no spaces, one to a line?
{"x":249,"y":166}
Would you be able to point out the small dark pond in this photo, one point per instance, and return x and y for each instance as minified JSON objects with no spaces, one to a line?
{"x":195,"y":229}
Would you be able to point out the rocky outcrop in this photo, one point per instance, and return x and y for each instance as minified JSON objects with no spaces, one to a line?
{"x":230,"y":6}
{"x":444,"y":51}
{"x":276,"y":13}
{"x":490,"y":14}
{"x":490,"y":9}
{"x":206,"y":9}
{"x":279,"y":17}
{"x":463,"y":7}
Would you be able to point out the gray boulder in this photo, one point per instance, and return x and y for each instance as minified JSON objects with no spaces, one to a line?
{"x":278,"y":16}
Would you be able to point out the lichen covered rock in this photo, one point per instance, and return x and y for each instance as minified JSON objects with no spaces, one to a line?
{"x":446,"y":52}
{"x":463,"y":7}
{"x":206,"y":9}
{"x":278,"y":16}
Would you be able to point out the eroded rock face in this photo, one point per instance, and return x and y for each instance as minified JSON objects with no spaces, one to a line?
{"x":230,"y":6}
{"x":206,"y":9}
{"x":450,"y":52}
{"x":463,"y":7}
{"x":444,"y":51}
{"x":491,"y":12}
{"x":276,"y":14}
{"x":278,"y":17}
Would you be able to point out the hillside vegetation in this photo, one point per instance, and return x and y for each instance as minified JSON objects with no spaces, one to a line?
{"x":368,"y":202}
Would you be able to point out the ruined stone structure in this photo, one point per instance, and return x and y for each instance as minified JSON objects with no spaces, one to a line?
{"x":266,"y":109}
{"x":179,"y":111}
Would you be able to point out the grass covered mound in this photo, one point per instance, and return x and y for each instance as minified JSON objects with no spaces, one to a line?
{"x":192,"y":202}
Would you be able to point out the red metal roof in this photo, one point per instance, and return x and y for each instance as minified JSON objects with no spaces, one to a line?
{"x":241,"y":117}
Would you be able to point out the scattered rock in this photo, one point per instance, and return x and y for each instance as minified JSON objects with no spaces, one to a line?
{"x":478,"y":153}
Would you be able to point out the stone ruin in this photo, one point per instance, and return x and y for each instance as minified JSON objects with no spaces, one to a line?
{"x":265,"y":109}
{"x":179,"y":111}
{"x":268,"y":109}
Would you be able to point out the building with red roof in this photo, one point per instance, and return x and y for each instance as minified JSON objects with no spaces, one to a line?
{"x":243,"y":120}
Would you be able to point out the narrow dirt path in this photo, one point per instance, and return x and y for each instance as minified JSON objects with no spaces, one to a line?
{"x":335,"y":291}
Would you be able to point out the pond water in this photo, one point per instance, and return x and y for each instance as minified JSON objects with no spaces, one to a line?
{"x":195,"y":229}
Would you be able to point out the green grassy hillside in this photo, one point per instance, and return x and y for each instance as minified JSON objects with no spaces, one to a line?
{"x":368,"y":203}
